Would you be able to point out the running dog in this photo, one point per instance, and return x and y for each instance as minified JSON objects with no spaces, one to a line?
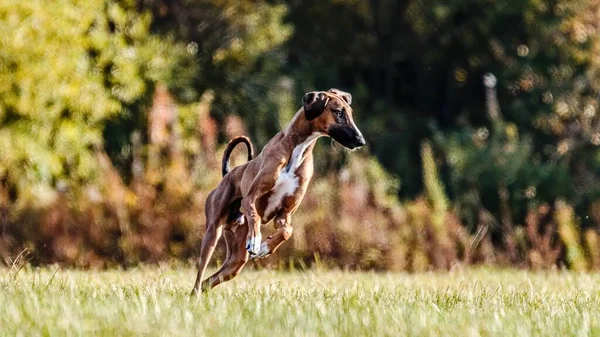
{"x":270,"y":185}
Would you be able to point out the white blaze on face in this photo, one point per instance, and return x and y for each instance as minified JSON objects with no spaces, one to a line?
{"x":287,"y":183}
{"x":357,"y":130}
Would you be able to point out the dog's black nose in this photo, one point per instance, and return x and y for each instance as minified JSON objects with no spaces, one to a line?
{"x":360,"y":141}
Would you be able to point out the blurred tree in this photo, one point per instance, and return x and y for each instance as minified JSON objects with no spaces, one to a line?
{"x":416,"y":68}
{"x":237,"y":47}
{"x":543,"y":52}
{"x":66,"y":74}
{"x":77,"y":78}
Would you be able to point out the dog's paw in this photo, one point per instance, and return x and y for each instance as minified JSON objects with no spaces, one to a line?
{"x":253,"y":244}
{"x":264,"y":252}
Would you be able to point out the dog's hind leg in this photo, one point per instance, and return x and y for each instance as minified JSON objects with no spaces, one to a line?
{"x":235,"y":219}
{"x":215,"y":213}
{"x":229,"y":236}
{"x":209,"y":242}
{"x":238,"y":256}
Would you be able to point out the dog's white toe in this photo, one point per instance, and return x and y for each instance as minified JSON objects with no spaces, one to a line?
{"x":253,"y":244}
{"x":264,"y":251}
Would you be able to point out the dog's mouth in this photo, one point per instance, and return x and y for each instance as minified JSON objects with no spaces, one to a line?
{"x":348,"y":136}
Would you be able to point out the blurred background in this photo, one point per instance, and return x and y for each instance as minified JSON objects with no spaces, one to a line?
{"x":114,"y":115}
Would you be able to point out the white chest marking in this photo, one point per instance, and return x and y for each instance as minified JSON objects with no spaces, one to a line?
{"x":287,"y":183}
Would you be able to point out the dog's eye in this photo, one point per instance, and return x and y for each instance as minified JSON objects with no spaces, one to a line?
{"x":339,"y":112}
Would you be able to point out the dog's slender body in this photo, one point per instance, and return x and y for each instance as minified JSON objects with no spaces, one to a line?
{"x":271,"y":185}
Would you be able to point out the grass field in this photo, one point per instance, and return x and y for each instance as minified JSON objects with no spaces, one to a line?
{"x":153,"y":301}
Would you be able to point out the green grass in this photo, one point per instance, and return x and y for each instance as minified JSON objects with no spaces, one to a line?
{"x":154,"y":301}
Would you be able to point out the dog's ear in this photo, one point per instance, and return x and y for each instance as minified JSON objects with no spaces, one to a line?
{"x":344,"y":95}
{"x":314,"y":103}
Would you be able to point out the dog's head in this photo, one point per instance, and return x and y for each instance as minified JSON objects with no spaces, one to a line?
{"x":329,"y":112}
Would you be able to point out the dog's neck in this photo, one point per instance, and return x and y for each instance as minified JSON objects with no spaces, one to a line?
{"x":298,"y":130}
{"x":299,"y":138}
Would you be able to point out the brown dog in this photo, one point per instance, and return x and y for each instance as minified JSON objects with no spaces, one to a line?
{"x":272,"y":185}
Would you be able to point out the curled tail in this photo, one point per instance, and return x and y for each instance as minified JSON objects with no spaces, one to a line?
{"x":241,"y":139}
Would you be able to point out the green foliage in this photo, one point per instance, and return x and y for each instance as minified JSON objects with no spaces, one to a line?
{"x":433,"y":187}
{"x":237,"y":46}
{"x":416,"y":67}
{"x":569,"y":234}
{"x":113,"y":114}
{"x":65,"y":73}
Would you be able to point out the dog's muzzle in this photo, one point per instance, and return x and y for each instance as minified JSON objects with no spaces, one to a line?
{"x":350,"y":137}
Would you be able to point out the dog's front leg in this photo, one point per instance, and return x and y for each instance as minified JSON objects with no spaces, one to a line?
{"x":254,"y":222}
{"x":262,"y":183}
{"x":284,"y":232}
